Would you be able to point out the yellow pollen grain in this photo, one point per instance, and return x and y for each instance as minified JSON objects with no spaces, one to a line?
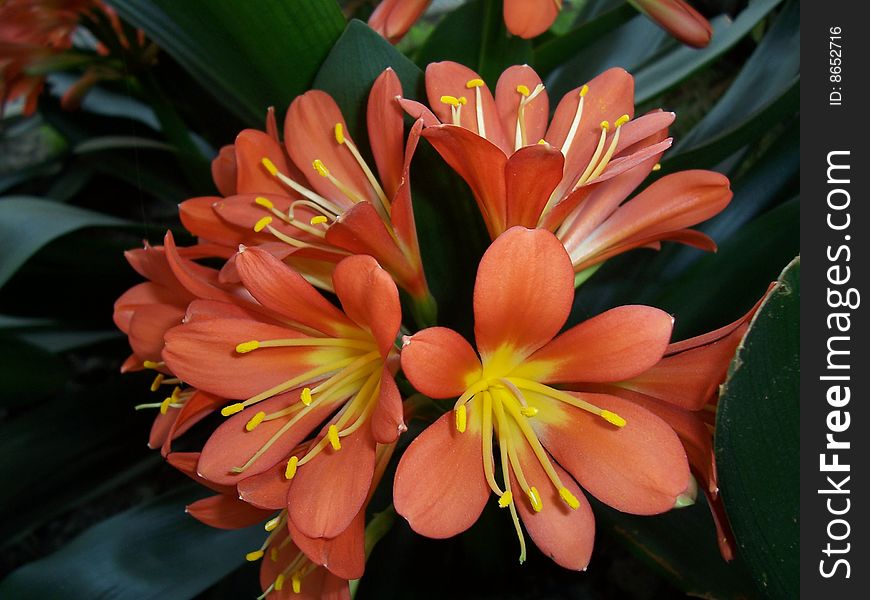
{"x":461,"y":419}
{"x":584,"y":90}
{"x":505,"y":500}
{"x":622,"y":120}
{"x":605,"y":125}
{"x":332,"y":435}
{"x":296,"y":582}
{"x":164,"y":406}
{"x":150,"y":364}
{"x":529,"y":411}
{"x":451,"y":100}
{"x":232,"y":409}
{"x":155,"y":385}
{"x":279,"y":582}
{"x":255,"y":420}
{"x":318,"y":220}
{"x":320,"y":167}
{"x":270,"y":166}
{"x":535,"y":499}
{"x":273,"y":554}
{"x":612,"y":418}
{"x":264,"y":202}
{"x":463,"y":100}
{"x":262,"y":224}
{"x":246,"y":347}
{"x":657,"y":167}
{"x":569,"y":498}
{"x":524,"y":90}
{"x":255,"y":555}
{"x":271,"y":524}
{"x":290,"y":471}
{"x":339,"y":133}
{"x":473,"y":83}
{"x":305,"y":396}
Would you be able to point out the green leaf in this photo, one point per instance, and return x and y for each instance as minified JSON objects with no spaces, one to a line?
{"x":663,"y":74}
{"x":758,"y":439}
{"x":152,"y":551}
{"x":119,"y":142}
{"x":475,"y":36}
{"x":249,"y":59}
{"x":28,"y":372}
{"x":27,"y":224}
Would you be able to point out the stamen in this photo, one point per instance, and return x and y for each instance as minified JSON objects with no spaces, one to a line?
{"x":455,"y":107}
{"x":460,"y":418}
{"x":274,"y":553}
{"x":657,"y":167}
{"x":158,"y":380}
{"x":255,"y":420}
{"x":477,"y":84}
{"x":344,"y":189}
{"x":529,"y":411}
{"x":540,"y":388}
{"x":504,"y":442}
{"x":255,"y":555}
{"x":595,"y":155}
{"x":578,"y":114}
{"x":535,"y":499}
{"x":451,"y":100}
{"x":332,"y":435}
{"x":296,"y":582}
{"x":252,"y":345}
{"x":524,"y":90}
{"x":569,"y":498}
{"x":605,"y":160}
{"x":279,"y":582}
{"x":246,"y":347}
{"x":373,"y":181}
{"x":612,"y":418}
{"x":300,"y":189}
{"x":271,"y":524}
{"x":319,"y":220}
{"x":339,"y":133}
{"x":232,"y":409}
{"x":486,"y":436}
{"x":473,"y":83}
{"x":305,"y":396}
{"x":150,"y":364}
{"x":292,"y":465}
{"x":164,"y":406}
{"x":264,"y":202}
{"x":505,"y":499}
{"x":262,"y":224}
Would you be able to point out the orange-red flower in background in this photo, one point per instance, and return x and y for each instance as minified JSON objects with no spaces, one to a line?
{"x":530,"y":18}
{"x":296,"y":363}
{"x":549,"y":439}
{"x":679,"y":19}
{"x":393,"y":18}
{"x":572,"y":176}
{"x":340,"y":207}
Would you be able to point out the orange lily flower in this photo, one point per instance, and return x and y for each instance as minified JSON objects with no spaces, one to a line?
{"x":550,"y":441}
{"x":679,"y":19}
{"x":297,"y":362}
{"x":573,"y":176}
{"x":530,"y":18}
{"x":339,"y":208}
{"x":393,"y":18}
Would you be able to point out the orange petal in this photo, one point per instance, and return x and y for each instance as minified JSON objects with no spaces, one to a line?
{"x":198,"y":217}
{"x":566,"y":535}
{"x":148,"y":326}
{"x":640,"y":468}
{"x":439,"y":362}
{"x":531,"y":175}
{"x":523,"y":292}
{"x":186,"y":463}
{"x":284,"y":291}
{"x":530,"y":18}
{"x":393,"y":18}
{"x":440,"y":487}
{"x":387,"y":419}
{"x":161,"y":427}
{"x":309,"y":134}
{"x":144,"y":294}
{"x":267,"y":489}
{"x":223,"y":170}
{"x":227,"y":512}
{"x":206,"y":310}
{"x":451,"y":79}
{"x":418,"y":111}
{"x":370,"y":298}
{"x":198,"y":280}
{"x":328,"y":492}
{"x":617,"y":344}
{"x":252,"y":147}
{"x":679,"y":19}
{"x":344,"y":555}
{"x":197,"y":407}
{"x":536,"y":113}
{"x":481,"y":165}
{"x":385,"y":122}
{"x":231,"y":445}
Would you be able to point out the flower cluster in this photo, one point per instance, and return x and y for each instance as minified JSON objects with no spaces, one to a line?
{"x":298,"y":339}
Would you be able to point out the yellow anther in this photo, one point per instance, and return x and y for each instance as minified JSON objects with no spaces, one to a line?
{"x":505,"y":500}
{"x":274,"y":553}
{"x":622,"y":120}
{"x":320,"y":167}
{"x":535,"y":499}
{"x":542,"y":142}
{"x":271,"y":524}
{"x":461,"y":418}
{"x":262,"y":223}
{"x":318,"y":220}
{"x":339,"y":133}
{"x":255,"y":555}
{"x":232,"y":409}
{"x":246,"y":347}
{"x":524,"y":90}
{"x":155,"y":385}
{"x":473,"y":83}
{"x":605,"y":125}
{"x":584,"y":90}
{"x":451,"y":100}
{"x":463,"y":100}
{"x":332,"y":435}
{"x":657,"y":167}
{"x":150,"y":364}
{"x":529,"y":411}
{"x":270,"y":166}
{"x":305,"y":396}
{"x":296,"y":581}
{"x":290,"y":471}
{"x":264,"y":202}
{"x":176,"y":394}
{"x":164,"y":406}
{"x":612,"y":418}
{"x":279,"y":582}
{"x":255,"y":420}
{"x":569,"y":498}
